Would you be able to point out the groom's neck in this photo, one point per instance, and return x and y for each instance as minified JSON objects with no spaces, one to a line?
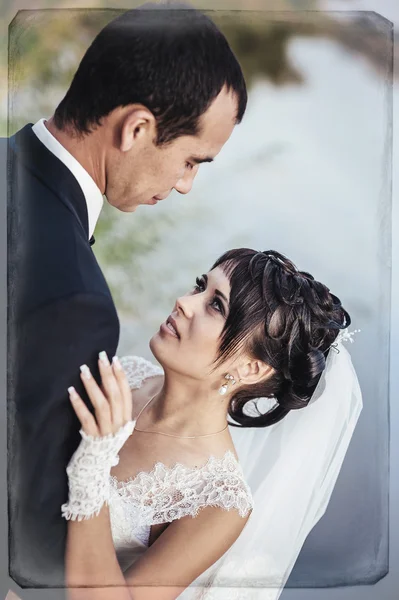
{"x":85,"y":148}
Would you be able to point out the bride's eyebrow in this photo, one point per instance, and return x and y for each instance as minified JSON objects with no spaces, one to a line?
{"x":217,"y":292}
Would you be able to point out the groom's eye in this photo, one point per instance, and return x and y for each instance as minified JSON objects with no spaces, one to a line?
{"x":189,"y":166}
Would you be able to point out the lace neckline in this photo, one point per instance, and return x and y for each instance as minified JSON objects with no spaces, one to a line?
{"x":210,"y":462}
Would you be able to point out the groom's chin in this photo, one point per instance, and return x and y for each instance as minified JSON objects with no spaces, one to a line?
{"x":121,"y":205}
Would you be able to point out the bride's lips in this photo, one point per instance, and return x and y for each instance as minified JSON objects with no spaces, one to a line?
{"x":170,"y":327}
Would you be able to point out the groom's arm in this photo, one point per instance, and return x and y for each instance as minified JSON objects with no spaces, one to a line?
{"x":50,"y":346}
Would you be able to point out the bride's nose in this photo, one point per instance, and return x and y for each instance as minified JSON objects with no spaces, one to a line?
{"x":185,"y":305}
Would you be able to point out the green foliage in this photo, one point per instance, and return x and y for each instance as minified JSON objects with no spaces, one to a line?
{"x":122,"y":241}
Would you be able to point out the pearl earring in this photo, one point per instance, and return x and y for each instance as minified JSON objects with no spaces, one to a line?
{"x":225,"y":386}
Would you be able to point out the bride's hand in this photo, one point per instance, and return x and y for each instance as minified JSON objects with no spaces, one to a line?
{"x":112,"y":404}
{"x":103,"y":435}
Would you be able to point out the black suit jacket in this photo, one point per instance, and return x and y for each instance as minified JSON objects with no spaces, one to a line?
{"x":60,"y":315}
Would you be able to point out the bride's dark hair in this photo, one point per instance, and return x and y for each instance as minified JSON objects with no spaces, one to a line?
{"x":283,"y":317}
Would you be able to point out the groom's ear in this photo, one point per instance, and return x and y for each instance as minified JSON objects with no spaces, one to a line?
{"x":137,"y":123}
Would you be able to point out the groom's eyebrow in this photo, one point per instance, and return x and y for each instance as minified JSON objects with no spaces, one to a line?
{"x":197,"y":160}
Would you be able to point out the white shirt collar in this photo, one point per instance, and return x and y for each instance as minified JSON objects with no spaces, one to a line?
{"x":92,"y":193}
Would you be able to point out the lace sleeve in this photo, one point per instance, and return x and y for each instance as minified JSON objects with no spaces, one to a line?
{"x":182,"y":491}
{"x":139,"y":369}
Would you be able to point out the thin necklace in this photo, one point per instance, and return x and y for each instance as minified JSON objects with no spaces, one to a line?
{"x":187,"y":437}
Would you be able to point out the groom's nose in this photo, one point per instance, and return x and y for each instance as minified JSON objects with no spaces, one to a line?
{"x":184,"y":185}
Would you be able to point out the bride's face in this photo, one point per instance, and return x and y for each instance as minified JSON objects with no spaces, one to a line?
{"x":188,"y":340}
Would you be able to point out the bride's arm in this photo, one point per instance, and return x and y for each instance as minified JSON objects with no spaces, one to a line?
{"x":181,"y":553}
{"x":90,"y":557}
{"x":185,"y":549}
{"x":91,"y":562}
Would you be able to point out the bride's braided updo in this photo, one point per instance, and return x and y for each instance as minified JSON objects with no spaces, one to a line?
{"x":283,"y":317}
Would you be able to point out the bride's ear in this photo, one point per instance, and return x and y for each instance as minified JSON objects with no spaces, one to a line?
{"x":252,"y":371}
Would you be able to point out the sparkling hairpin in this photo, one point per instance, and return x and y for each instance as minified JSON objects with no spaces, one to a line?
{"x":347,"y":336}
{"x":277,"y":259}
{"x":344,"y":336}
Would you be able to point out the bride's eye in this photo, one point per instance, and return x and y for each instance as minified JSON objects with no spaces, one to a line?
{"x":218,"y":305}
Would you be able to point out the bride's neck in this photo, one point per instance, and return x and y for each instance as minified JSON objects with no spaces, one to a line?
{"x":187,"y":408}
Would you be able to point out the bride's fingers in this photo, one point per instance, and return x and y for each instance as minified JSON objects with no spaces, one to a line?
{"x":126,"y":393}
{"x":99,"y":401}
{"x":112,"y":391}
{"x":85,"y":417}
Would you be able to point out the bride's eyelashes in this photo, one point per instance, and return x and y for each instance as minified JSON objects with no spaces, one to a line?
{"x":200,"y":284}
{"x":215,"y":303}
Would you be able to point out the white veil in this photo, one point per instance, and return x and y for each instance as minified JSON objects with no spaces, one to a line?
{"x":291,"y":468}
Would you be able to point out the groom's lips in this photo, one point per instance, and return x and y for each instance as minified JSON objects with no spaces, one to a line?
{"x":155,"y":200}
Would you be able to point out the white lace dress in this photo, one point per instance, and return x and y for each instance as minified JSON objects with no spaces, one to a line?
{"x":168,"y":493}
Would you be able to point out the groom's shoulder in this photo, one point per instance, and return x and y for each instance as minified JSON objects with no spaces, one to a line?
{"x":4,"y":143}
{"x":18,"y":140}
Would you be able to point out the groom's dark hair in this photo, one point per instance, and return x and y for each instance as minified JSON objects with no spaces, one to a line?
{"x":171,"y":58}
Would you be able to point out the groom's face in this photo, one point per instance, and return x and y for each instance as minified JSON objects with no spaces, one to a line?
{"x":146,"y":174}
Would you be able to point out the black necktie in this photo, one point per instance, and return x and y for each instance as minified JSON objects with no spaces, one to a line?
{"x":92,"y":240}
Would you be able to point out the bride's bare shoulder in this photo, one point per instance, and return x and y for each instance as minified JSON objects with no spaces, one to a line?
{"x":138,"y":369}
{"x":149,"y":388}
{"x":145,"y":379}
